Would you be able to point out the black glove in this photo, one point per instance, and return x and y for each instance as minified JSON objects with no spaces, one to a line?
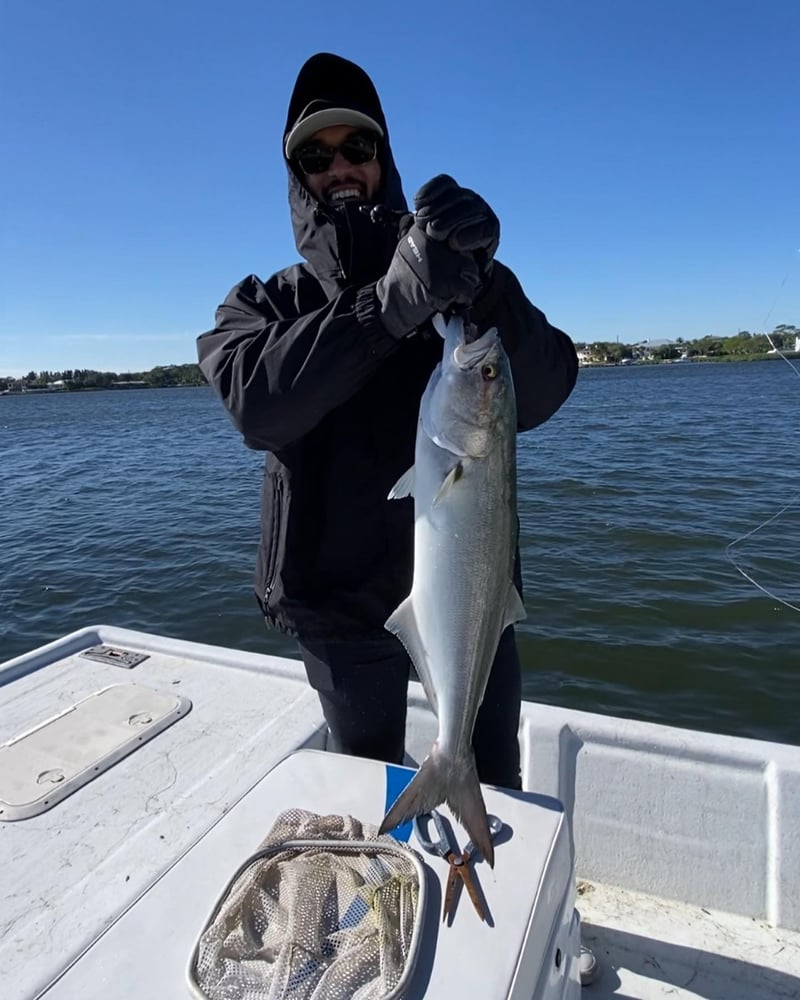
{"x":446,"y":211}
{"x":425,"y":277}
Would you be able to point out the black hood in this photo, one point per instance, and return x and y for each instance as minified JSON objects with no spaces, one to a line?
{"x":343,"y":245}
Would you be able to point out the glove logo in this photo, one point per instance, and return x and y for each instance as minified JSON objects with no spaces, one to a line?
{"x":414,"y":249}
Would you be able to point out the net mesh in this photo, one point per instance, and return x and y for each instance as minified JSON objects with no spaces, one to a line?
{"x":331,"y":921}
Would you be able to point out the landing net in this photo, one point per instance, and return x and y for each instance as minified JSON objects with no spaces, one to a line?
{"x":325,"y":909}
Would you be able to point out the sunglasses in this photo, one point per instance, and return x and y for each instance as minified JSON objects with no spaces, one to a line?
{"x":358,"y":148}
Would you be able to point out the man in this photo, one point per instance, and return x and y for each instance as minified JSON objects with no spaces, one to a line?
{"x":323,"y":366}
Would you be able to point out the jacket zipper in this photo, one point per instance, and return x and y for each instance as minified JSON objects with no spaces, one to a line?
{"x":275,"y":540}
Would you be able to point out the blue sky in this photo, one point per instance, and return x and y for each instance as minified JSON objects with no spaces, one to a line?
{"x":643,"y":158}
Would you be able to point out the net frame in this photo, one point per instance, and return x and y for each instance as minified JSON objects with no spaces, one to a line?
{"x":374,"y":848}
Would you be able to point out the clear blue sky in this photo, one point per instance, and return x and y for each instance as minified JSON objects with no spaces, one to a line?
{"x":643,"y":157}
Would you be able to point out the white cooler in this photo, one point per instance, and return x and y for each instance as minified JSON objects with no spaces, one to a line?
{"x":529,"y":947}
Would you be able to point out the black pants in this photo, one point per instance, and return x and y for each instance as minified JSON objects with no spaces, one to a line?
{"x":363,"y":686}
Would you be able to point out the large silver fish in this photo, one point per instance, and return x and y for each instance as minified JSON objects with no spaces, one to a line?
{"x":462,"y":596}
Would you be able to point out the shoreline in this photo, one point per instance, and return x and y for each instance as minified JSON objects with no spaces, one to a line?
{"x":624,"y":363}
{"x":64,"y":391}
{"x":700,"y":360}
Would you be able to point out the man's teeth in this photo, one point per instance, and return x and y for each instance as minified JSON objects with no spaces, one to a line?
{"x":343,"y":193}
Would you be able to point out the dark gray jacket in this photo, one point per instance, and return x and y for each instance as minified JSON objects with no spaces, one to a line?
{"x":308,"y":374}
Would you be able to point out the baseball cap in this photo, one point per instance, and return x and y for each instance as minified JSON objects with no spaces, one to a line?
{"x":321,"y":114}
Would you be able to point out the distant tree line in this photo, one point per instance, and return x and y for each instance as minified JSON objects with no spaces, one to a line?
{"x":163,"y":376}
{"x":742,"y":346}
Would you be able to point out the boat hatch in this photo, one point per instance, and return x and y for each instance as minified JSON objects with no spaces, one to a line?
{"x":41,"y":767}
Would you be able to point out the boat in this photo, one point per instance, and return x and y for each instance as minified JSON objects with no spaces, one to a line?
{"x":138,"y":772}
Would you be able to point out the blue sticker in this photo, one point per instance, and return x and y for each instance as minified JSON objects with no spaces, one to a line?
{"x":397,"y":778}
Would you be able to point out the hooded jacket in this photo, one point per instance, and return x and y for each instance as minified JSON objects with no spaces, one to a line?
{"x":308,"y":374}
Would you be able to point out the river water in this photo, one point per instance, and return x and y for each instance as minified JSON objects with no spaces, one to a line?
{"x":140,"y":509}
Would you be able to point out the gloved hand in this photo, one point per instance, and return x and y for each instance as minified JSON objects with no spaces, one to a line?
{"x":425,"y":276}
{"x":448,"y":212}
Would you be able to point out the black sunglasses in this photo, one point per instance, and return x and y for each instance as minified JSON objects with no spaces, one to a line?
{"x":358,"y":148}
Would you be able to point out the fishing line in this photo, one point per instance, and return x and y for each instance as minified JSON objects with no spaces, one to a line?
{"x":779,"y":351}
{"x":749,"y":534}
{"x":778,"y":293}
{"x":795,"y":498}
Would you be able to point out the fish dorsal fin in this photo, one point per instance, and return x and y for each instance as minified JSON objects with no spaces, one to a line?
{"x":404,"y":487}
{"x":515,"y":609}
{"x":403,"y":623}
{"x":449,"y":482}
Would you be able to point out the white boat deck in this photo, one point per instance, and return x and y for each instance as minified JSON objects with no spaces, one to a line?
{"x":650,"y":948}
{"x":687,"y":844}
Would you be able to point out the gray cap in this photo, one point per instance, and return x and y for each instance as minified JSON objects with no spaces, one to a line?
{"x":321,"y":114}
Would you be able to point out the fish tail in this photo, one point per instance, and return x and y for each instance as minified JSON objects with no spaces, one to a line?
{"x":451,"y":780}
{"x":466,"y":802}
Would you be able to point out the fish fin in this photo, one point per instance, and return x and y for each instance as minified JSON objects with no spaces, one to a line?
{"x":450,"y":480}
{"x":515,"y":609}
{"x":445,"y":779}
{"x":404,"y":487}
{"x":445,"y":325}
{"x":403,"y":623}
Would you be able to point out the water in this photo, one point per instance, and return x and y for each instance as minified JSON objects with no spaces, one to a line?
{"x":140,"y":509}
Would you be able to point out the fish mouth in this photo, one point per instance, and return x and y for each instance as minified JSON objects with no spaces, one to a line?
{"x":467,"y":356}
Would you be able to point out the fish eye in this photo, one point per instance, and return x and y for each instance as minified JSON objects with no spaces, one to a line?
{"x":488,"y":372}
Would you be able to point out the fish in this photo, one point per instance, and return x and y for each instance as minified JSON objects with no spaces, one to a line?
{"x":463,"y":596}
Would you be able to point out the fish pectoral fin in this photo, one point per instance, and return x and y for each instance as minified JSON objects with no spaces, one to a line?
{"x":404,"y":487}
{"x":515,"y":609}
{"x":403,"y":623}
{"x":449,"y":482}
